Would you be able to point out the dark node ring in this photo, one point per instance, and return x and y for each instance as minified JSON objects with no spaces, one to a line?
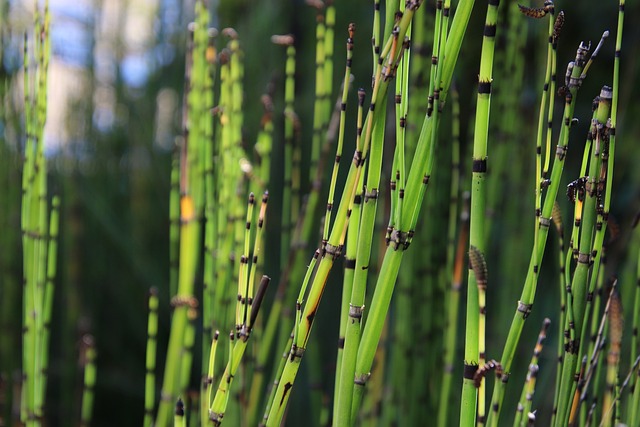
{"x":583,"y":258}
{"x":525,"y":309}
{"x":296,"y":352}
{"x":469,"y":371}
{"x":332,"y":250}
{"x":545,"y":222}
{"x":361,"y":380}
{"x":355,"y":311}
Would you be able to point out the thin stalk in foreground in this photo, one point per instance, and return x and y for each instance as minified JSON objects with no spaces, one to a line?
{"x":524,"y":405}
{"x":477,"y":219}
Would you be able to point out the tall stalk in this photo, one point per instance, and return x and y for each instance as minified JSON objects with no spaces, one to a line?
{"x":89,"y":355}
{"x":36,"y":226}
{"x":150,"y":364}
{"x":473,"y":336}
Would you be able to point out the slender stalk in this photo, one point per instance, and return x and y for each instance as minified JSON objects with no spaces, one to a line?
{"x":526,"y":398}
{"x":174,"y":223}
{"x":546,"y":96}
{"x":354,"y":225}
{"x":477,"y":215}
{"x":613,"y":359}
{"x":150,"y":364}
{"x":343,"y":110}
{"x":264,"y":142}
{"x":243,"y":277}
{"x":209,"y":306}
{"x":52,"y":259}
{"x":89,"y":364}
{"x":289,"y":114}
{"x":634,"y":401}
{"x":182,"y":302}
{"x":320,"y":112}
{"x":556,"y":216}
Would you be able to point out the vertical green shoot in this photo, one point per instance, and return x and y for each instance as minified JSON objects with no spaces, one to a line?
{"x":478,"y":207}
{"x":320,"y":103}
{"x":89,"y":363}
{"x":613,"y":360}
{"x":352,"y":230}
{"x":150,"y":376}
{"x":52,"y":259}
{"x":289,"y":116}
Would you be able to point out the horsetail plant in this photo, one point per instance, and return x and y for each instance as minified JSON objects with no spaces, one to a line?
{"x":89,"y":365}
{"x":49,"y":291}
{"x":352,"y":231}
{"x":613,"y":360}
{"x":184,"y":302}
{"x":473,"y":337}
{"x":633,"y":408}
{"x":556,"y":216}
{"x":526,"y":398}
{"x":209,"y":172}
{"x":289,"y":114}
{"x":150,"y":377}
{"x":322,"y":105}
{"x":39,"y":231}
{"x":216,"y":250}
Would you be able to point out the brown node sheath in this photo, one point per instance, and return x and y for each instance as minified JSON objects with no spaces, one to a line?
{"x":479,"y":266}
{"x":533,"y":12}
{"x":557,"y":27}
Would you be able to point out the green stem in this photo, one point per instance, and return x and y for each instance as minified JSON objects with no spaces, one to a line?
{"x":478,"y":211}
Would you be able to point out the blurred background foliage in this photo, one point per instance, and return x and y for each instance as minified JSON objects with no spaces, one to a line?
{"x":114,"y":113}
